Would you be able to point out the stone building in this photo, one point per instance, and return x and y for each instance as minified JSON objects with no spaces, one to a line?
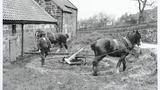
{"x":21,"y":18}
{"x":64,"y":12}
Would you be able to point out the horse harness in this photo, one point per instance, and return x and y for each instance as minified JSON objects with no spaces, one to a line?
{"x":127,"y":43}
{"x":117,"y":45}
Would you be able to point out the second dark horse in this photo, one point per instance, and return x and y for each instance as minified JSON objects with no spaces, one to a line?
{"x":55,"y":38}
{"x":114,"y":48}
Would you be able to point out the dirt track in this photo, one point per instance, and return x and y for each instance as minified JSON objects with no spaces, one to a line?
{"x":141,"y":74}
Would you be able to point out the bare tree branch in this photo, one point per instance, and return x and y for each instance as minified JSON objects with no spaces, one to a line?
{"x":144,"y":4}
{"x":150,"y":4}
{"x":139,"y":5}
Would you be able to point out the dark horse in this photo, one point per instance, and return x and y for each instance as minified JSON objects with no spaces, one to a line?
{"x":56,"y":38}
{"x":114,"y":48}
{"x":44,"y":45}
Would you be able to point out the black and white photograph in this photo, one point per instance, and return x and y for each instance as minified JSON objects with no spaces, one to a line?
{"x":79,"y":44}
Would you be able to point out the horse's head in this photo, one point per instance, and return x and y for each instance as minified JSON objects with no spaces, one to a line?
{"x":68,"y":35}
{"x":135,"y":37}
{"x":39,"y":33}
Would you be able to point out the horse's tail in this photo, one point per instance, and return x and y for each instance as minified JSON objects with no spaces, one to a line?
{"x":93,"y":46}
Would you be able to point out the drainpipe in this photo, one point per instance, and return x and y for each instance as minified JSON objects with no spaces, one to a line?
{"x":62,"y":23}
{"x":76,"y":21}
{"x":22,"y":26}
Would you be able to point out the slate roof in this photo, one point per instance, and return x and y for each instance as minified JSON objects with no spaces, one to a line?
{"x":25,"y":11}
{"x":64,"y":4}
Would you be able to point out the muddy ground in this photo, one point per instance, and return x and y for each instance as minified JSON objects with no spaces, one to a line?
{"x":27,"y":74}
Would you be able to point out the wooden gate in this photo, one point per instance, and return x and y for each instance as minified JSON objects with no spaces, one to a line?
{"x":13,"y":48}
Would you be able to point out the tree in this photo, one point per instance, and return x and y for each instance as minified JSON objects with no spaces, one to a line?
{"x":141,"y":6}
{"x":103,"y":19}
{"x":96,"y":21}
{"x":126,"y":19}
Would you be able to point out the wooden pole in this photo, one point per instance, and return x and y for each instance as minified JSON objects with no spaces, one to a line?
{"x":22,"y":26}
{"x":54,"y":53}
{"x":62,"y":23}
{"x":76,"y":22}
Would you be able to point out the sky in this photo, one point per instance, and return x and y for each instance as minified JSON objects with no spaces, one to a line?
{"x":115,"y":8}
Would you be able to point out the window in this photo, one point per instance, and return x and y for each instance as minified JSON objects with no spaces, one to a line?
{"x":13,"y":29}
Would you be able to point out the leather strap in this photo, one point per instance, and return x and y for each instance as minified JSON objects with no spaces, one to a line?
{"x":127,"y":42}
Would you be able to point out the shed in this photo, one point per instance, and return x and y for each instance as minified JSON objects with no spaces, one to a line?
{"x":23,"y":12}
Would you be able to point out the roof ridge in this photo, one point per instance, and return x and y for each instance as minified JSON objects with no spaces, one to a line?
{"x":72,"y":4}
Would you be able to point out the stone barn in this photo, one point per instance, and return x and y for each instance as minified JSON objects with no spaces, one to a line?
{"x":64,"y":12}
{"x":21,"y":18}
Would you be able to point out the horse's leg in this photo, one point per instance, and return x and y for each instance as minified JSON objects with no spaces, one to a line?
{"x":95,"y":64}
{"x":60,"y":47}
{"x":95,"y":68}
{"x":66,"y":47}
{"x":121,"y":60}
{"x":124,"y":65}
{"x":97,"y":59}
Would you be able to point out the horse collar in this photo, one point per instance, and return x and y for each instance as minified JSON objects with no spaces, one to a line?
{"x":117,"y":45}
{"x":128,"y":43}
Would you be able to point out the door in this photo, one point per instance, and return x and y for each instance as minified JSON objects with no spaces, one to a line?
{"x":13,"y":48}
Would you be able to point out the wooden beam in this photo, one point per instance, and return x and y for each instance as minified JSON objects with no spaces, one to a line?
{"x":53,"y":53}
{"x":50,"y":53}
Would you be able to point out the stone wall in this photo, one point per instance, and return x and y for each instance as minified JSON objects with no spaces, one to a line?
{"x":7,"y":37}
{"x":69,"y":22}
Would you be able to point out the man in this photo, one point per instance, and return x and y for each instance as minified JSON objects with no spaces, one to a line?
{"x":44,"y":46}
